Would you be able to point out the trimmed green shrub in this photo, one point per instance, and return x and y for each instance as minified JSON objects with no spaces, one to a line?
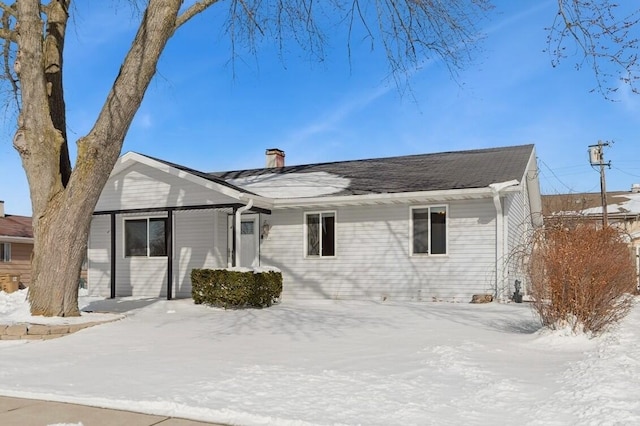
{"x":225,"y":288}
{"x":267,"y":288}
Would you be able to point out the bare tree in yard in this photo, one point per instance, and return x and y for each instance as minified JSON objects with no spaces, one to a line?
{"x":63,"y":197}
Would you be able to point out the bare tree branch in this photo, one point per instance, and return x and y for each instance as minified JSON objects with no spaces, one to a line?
{"x":409,"y":31}
{"x":7,"y":55}
{"x":9,"y":35}
{"x":9,"y":10}
{"x":604,"y":40}
{"x":193,"y":10}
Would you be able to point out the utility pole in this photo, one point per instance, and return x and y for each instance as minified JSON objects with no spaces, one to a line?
{"x":596,"y":158}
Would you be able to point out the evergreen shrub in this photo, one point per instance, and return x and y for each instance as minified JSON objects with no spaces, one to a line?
{"x":226,"y":288}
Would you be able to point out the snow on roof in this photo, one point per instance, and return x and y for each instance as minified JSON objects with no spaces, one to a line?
{"x":292,"y":185}
{"x":627,"y":204}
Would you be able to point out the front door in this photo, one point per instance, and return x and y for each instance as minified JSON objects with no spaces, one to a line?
{"x":248,"y":240}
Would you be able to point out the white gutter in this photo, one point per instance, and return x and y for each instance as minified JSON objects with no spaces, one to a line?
{"x":496,"y":189}
{"x":238,"y":245}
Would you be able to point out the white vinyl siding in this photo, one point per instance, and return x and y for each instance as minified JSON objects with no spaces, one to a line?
{"x":197,"y":239}
{"x":518,"y":231}
{"x":199,"y":242}
{"x":199,"y":235}
{"x":135,"y":276}
{"x":141,"y":186}
{"x":373,"y":255}
{"x":138,"y":276}
{"x":99,"y":257}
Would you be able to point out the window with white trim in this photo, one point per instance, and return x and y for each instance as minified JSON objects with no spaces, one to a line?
{"x":428,"y":230}
{"x":5,"y":252}
{"x":320,"y":234}
{"x":145,"y":237}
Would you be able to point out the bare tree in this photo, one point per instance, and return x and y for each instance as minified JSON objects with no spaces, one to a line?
{"x":605,"y":37}
{"x":33,"y":33}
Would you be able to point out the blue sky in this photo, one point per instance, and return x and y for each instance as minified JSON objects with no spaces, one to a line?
{"x":203,"y":113}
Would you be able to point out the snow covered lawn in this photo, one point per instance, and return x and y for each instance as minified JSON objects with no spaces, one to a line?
{"x":333,"y":363}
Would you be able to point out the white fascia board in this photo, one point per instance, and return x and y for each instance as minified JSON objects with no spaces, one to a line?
{"x":532,"y":181}
{"x":125,"y":161}
{"x":391,"y":198}
{"x":15,"y":240}
{"x":131,"y":158}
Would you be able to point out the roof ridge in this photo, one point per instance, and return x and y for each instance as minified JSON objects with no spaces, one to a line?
{"x":361,"y":160}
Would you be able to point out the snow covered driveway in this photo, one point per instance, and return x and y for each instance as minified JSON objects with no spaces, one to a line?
{"x":335,"y":363}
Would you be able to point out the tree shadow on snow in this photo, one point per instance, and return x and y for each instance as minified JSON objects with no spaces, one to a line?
{"x":492,"y":316}
{"x":118,"y":305}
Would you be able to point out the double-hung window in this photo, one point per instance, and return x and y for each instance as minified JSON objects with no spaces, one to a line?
{"x":429,"y":230}
{"x":145,"y":237}
{"x":320,"y":234}
{"x":5,"y":252}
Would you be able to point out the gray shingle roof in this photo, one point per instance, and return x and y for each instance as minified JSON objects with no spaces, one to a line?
{"x":16,"y":226}
{"x":427,"y":172}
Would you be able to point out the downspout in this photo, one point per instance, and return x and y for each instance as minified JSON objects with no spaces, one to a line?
{"x":238,"y":230}
{"x":500,"y":230}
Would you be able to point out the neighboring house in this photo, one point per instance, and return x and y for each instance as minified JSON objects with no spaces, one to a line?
{"x":421,"y":227}
{"x":16,"y":245}
{"x":623,"y":211}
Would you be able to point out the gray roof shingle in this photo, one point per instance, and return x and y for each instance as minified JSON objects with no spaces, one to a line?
{"x":16,"y":226}
{"x":413,"y":173}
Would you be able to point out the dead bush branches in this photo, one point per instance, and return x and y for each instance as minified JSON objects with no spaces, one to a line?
{"x":581,"y":276}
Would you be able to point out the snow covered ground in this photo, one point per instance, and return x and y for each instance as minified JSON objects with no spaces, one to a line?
{"x":332,"y":363}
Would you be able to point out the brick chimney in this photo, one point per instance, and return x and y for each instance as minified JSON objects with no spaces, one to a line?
{"x":275,"y":158}
{"x":1,"y":208}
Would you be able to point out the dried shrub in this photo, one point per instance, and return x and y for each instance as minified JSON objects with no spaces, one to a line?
{"x":581,"y":276}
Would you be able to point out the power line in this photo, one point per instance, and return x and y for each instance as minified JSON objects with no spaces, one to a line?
{"x":555,"y":176}
{"x":626,"y":173}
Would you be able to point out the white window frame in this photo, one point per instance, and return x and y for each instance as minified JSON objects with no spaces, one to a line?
{"x":305,"y":241}
{"x":6,"y":253}
{"x":148,"y":219}
{"x":446,"y":231}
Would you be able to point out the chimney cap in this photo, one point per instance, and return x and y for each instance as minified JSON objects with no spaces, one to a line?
{"x":275,"y":158}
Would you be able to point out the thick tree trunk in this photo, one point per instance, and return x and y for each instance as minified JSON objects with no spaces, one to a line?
{"x":63,"y":200}
{"x":57,"y":260}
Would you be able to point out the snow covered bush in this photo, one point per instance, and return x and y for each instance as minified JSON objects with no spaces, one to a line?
{"x":226,"y":288}
{"x":581,"y":276}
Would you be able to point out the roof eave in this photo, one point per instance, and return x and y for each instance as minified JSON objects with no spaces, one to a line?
{"x":16,"y":240}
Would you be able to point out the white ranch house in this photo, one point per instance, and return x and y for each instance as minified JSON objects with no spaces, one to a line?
{"x":422,"y":227}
